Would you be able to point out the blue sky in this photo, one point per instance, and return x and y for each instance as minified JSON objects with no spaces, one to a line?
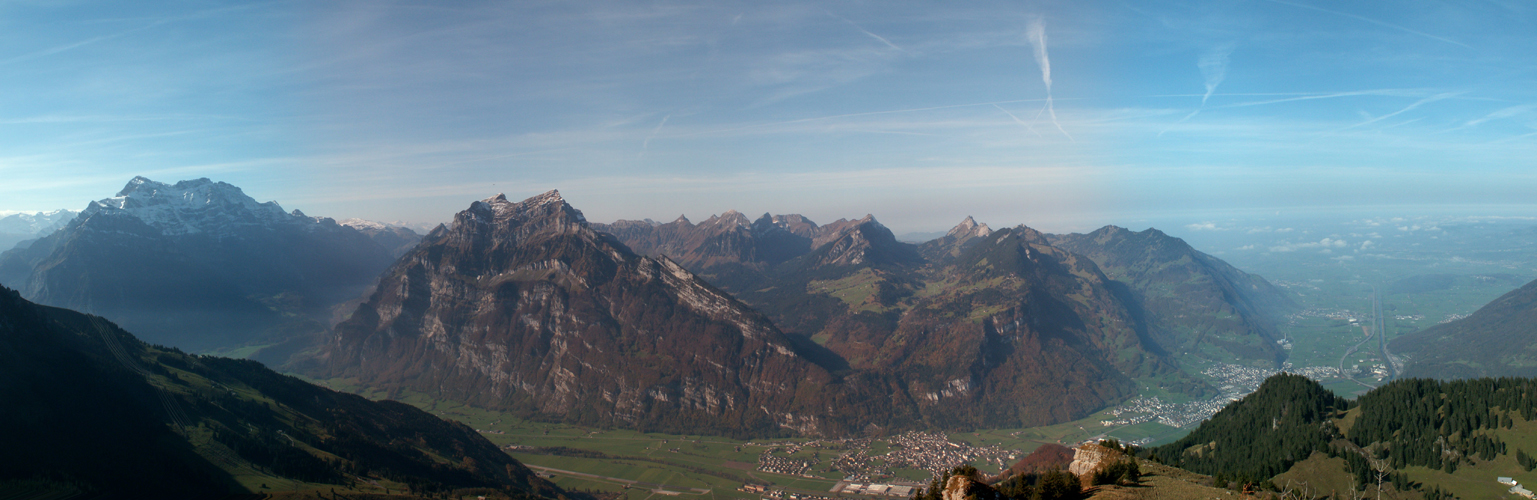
{"x":1063,"y":116}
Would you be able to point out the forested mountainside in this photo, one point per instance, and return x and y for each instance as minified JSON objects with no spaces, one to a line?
{"x":1409,"y":435}
{"x":198,"y":265}
{"x":91,"y":409}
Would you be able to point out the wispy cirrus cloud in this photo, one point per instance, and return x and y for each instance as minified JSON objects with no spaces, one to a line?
{"x":1213,"y":65}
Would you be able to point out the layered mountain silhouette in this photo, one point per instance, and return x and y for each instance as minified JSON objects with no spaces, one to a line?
{"x":197,"y":265}
{"x":22,"y":228}
{"x":528,"y":307}
{"x":396,"y":239}
{"x":1497,"y":340}
{"x":851,"y":289}
{"x":92,"y":410}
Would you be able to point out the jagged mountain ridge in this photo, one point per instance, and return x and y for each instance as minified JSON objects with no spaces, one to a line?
{"x":525,"y":306}
{"x":183,"y":426}
{"x":197,"y":264}
{"x":1186,"y":302}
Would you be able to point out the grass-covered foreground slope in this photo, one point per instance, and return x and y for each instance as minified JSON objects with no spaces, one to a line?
{"x":89,"y":408}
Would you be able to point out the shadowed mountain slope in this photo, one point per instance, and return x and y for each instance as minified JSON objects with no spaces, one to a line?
{"x":88,"y":404}
{"x":1193,"y":303}
{"x":1498,"y":340}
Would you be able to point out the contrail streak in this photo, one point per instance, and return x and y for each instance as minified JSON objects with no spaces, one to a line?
{"x":853,"y":115}
{"x":1017,"y":120}
{"x":1036,"y":33}
{"x":1334,"y":95}
{"x":1410,"y":107}
{"x":1373,"y":21}
{"x":1502,"y":113}
{"x":867,"y":32}
{"x":644,"y":145}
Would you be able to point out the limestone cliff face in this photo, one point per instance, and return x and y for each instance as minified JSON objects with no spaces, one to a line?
{"x":1090,"y":458}
{"x":522,"y":306}
{"x":965,"y":488}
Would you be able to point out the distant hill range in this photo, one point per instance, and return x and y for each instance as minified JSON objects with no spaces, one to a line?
{"x":395,"y":238}
{"x":1179,"y":301}
{"x":201,"y":266}
{"x":92,"y":412}
{"x":20,"y":228}
{"x":1498,"y":340}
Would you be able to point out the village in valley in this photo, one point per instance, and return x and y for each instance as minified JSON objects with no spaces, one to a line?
{"x":1236,"y":382}
{"x":867,"y":460}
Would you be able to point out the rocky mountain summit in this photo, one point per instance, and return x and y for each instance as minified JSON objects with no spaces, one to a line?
{"x":197,"y":264}
{"x":523,"y":306}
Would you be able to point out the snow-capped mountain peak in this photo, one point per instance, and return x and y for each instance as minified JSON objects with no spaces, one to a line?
{"x":193,"y":206}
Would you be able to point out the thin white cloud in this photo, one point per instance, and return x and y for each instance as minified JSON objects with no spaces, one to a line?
{"x":1325,"y":245}
{"x":1035,"y":32}
{"x":1203,"y":226}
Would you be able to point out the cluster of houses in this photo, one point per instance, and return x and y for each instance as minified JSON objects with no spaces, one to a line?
{"x":890,"y":490}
